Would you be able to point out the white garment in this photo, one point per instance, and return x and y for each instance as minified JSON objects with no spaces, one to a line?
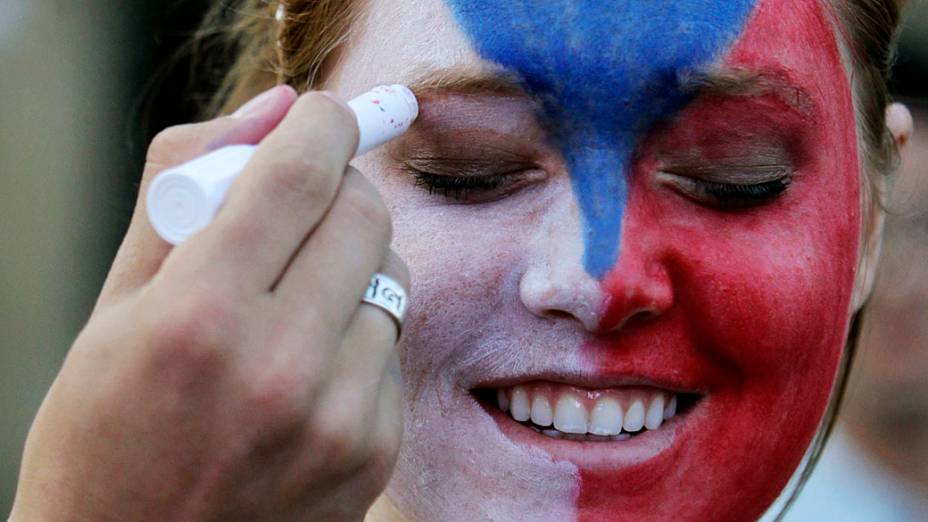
{"x":848,"y":486}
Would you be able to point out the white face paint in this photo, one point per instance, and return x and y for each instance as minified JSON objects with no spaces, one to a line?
{"x":467,"y":322}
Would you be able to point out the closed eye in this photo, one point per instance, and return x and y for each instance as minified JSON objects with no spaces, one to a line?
{"x":724,"y":195}
{"x":478,"y":181}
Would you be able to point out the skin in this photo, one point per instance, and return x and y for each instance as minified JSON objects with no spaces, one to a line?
{"x":201,"y":387}
{"x":747,"y":308}
{"x":737,"y":281}
{"x":262,"y":364}
{"x":581,"y":52}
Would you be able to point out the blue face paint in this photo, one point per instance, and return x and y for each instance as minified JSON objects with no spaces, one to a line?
{"x":606,"y":73}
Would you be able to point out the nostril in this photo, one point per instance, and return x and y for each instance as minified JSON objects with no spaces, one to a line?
{"x":638,"y":291}
{"x":558,"y":314}
{"x":617,"y":319}
{"x":643,"y":315}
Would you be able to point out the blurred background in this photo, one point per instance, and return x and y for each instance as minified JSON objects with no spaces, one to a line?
{"x":85,"y":85}
{"x":83,"y":88}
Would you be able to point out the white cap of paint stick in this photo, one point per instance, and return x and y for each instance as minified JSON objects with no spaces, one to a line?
{"x":183,"y":200}
{"x":383,"y":113}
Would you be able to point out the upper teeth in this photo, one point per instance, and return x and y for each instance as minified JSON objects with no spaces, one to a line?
{"x":601,"y":412}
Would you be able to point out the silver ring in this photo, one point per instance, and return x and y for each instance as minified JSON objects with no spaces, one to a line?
{"x":388,"y":295}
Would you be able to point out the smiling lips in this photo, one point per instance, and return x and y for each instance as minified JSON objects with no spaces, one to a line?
{"x":567,"y":412}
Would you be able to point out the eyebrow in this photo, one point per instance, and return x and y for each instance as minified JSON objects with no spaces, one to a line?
{"x":716,"y":82}
{"x":467,"y":80}
{"x":735,"y":82}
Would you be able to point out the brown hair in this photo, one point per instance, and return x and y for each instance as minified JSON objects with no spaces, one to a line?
{"x":868,"y":28}
{"x":301,"y":47}
{"x":297,"y":50}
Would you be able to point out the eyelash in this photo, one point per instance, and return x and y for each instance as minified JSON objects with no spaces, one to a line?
{"x":710,"y":193}
{"x":459,"y":188}
{"x":730,"y":195}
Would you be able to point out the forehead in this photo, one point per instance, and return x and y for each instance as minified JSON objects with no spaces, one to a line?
{"x":396,"y":41}
{"x":553,"y":45}
{"x":626,"y":51}
{"x":605,"y":73}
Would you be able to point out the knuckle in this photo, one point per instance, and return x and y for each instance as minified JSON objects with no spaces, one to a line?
{"x":369,"y":209}
{"x":293,"y":172}
{"x":277,"y":398}
{"x":167,"y":139}
{"x":194,"y":331}
{"x":165,"y":145}
{"x":237,"y":238}
{"x":343,"y":119}
{"x":338,"y":437}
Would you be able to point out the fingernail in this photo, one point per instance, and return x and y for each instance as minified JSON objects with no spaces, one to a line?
{"x":256,"y":104}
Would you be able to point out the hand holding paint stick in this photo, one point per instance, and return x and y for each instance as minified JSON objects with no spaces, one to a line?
{"x":183,"y":200}
{"x":178,"y":357}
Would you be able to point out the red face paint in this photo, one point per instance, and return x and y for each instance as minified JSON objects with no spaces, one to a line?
{"x":748,"y":307}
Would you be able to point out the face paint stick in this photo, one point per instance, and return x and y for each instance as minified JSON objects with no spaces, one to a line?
{"x":183,"y":200}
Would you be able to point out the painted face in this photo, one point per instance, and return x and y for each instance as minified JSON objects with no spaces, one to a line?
{"x":633,"y":235}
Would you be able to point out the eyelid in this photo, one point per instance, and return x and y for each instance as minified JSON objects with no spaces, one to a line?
{"x":725,"y":195}
{"x":732,"y":174}
{"x":480,"y":188}
{"x":435,"y":170}
{"x":466,"y":166}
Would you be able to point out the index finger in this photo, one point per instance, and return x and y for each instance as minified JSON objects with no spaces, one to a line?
{"x":283,"y":193}
{"x":142,"y":251}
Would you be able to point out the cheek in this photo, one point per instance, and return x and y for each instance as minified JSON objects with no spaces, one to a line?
{"x":465,"y":262}
{"x":760,"y":315}
{"x":463,"y":265}
{"x":768,"y":291}
{"x":761,"y":298}
{"x":773,"y":285}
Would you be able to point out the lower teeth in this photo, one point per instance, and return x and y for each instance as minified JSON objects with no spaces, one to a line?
{"x":586,"y":437}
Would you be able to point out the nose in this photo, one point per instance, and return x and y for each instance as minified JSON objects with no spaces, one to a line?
{"x":556,"y":283}
{"x":638,"y":289}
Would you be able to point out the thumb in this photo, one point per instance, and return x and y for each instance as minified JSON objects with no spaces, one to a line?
{"x":142,"y":250}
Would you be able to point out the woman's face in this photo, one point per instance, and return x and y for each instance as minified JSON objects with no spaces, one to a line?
{"x":607,"y":210}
